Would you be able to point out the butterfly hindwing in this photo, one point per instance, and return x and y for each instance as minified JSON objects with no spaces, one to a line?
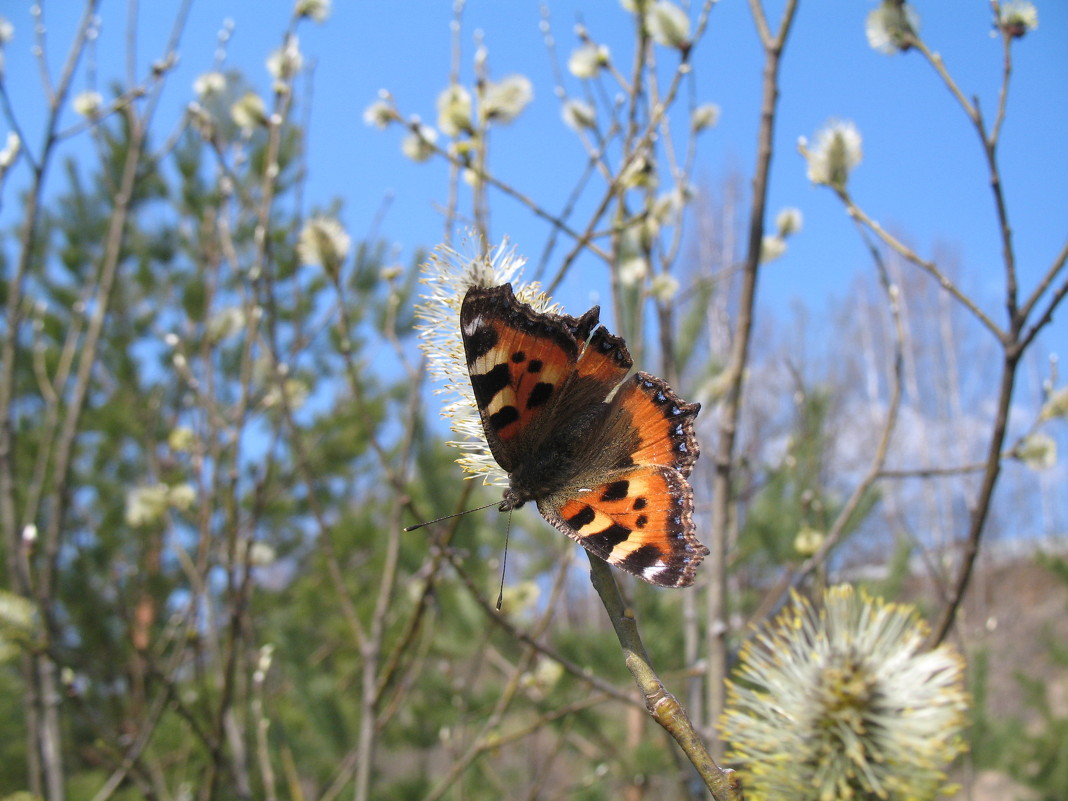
{"x":640,"y":520}
{"x":632,"y":505}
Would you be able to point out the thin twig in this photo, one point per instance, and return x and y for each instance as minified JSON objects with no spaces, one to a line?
{"x":513,"y":631}
{"x":844,"y":518}
{"x":723,"y":489}
{"x":661,"y":704}
{"x":928,"y":267}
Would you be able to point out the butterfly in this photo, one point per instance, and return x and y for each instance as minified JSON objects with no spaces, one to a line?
{"x":605,"y":457}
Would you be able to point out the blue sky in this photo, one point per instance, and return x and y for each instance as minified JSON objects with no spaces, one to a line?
{"x":923,"y":174}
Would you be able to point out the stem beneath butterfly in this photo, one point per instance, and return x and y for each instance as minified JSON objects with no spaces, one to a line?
{"x":661,"y":704}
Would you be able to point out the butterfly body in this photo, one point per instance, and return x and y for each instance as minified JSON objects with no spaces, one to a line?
{"x":605,"y":457}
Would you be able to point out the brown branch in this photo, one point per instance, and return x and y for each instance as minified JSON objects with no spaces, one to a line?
{"x":723,"y":495}
{"x":927,"y":266}
{"x":844,"y":517}
{"x":1045,"y":317}
{"x":661,"y":704}
{"x":1014,"y":340}
{"x":932,"y":472}
{"x":935,"y":61}
{"x":981,"y":508}
{"x":1003,"y":93}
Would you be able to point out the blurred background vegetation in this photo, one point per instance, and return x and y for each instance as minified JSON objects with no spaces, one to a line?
{"x":212,"y":434}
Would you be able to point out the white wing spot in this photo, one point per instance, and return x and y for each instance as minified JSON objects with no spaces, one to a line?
{"x":653,"y":571}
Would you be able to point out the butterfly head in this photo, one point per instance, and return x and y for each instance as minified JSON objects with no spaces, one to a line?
{"x":511,"y":500}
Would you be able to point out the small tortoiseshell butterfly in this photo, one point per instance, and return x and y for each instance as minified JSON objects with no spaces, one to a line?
{"x":608,"y":470}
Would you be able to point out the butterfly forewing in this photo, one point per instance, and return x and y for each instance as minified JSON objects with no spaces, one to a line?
{"x":663,"y":422}
{"x":517,"y":362}
{"x":605,"y":360}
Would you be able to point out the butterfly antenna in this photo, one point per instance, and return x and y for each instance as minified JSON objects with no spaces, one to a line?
{"x":504,"y":562}
{"x":446,"y":517}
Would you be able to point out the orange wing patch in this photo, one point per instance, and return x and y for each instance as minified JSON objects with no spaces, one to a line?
{"x":604,"y":359}
{"x":640,"y":521}
{"x":515,"y":377}
{"x":663,"y":421}
{"x":517,"y":360}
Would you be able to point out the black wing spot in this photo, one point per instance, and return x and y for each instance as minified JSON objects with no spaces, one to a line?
{"x":641,"y":558}
{"x":640,"y":503}
{"x":541,"y":393}
{"x":616,"y":491}
{"x":487,"y":385}
{"x":504,"y":417}
{"x":609,"y":538}
{"x":481,"y":342}
{"x":641,"y":521}
{"x":519,"y":356}
{"x":534,"y":366}
{"x":583,"y":518}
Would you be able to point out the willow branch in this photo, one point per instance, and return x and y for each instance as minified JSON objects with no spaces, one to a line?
{"x":927,"y":266}
{"x":735,"y":371}
{"x":981,"y":508}
{"x":935,"y":61}
{"x":662,"y":706}
{"x":875,"y":468}
{"x":1046,"y":281}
